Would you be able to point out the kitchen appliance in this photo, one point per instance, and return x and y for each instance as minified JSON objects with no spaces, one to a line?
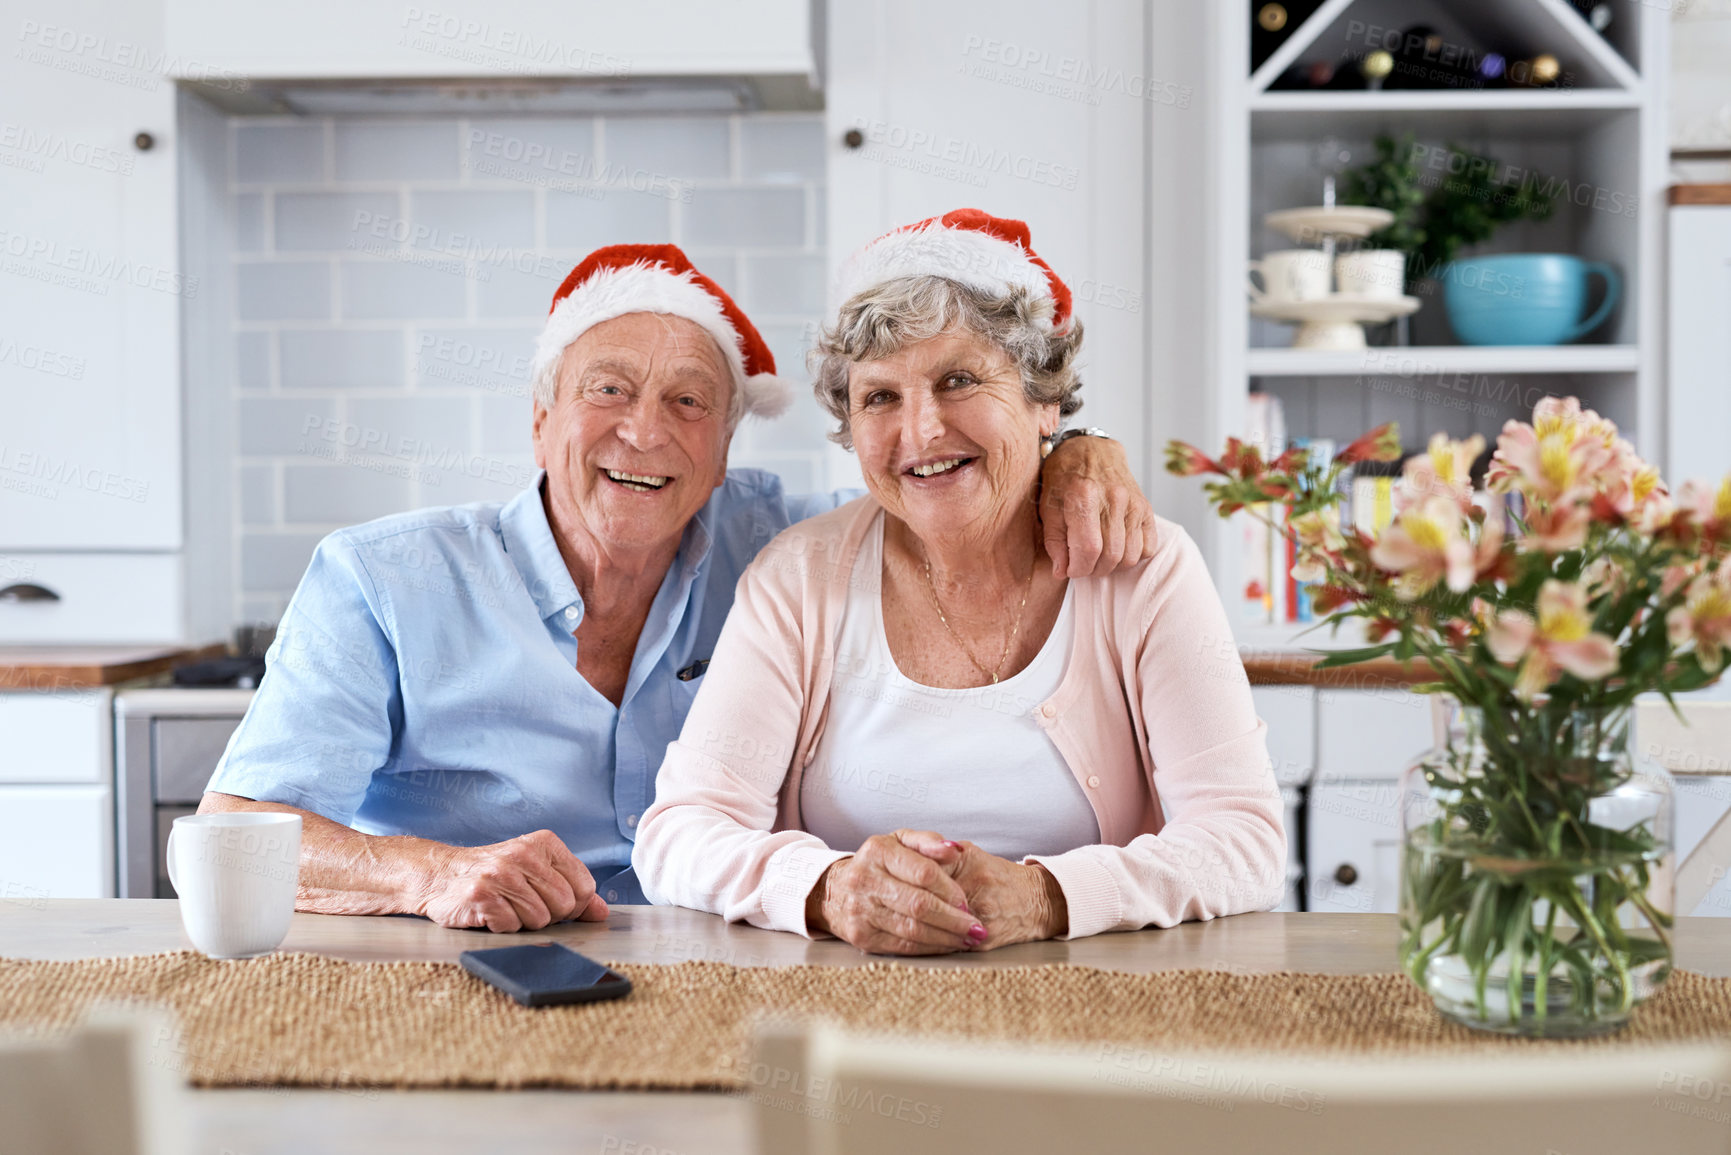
{"x":167,"y":742}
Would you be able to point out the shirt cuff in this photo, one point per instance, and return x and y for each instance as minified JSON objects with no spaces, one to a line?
{"x":1089,"y":889}
{"x":789,"y":877}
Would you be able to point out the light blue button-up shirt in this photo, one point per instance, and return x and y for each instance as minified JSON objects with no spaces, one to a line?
{"x":424,"y":678}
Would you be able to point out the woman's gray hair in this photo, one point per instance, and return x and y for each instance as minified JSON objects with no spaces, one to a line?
{"x":900,"y":311}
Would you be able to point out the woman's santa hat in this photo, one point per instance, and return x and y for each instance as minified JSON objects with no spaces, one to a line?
{"x":621,"y":279}
{"x":973,"y":248}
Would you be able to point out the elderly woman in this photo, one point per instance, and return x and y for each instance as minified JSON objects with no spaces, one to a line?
{"x":913,"y":735}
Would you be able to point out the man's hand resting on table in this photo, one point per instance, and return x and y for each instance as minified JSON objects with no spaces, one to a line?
{"x":526,"y":883}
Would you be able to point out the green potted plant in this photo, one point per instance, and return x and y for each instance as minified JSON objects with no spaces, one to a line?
{"x":1464,"y":204}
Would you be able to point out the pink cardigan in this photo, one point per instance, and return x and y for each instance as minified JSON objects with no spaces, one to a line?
{"x":1153,"y":716}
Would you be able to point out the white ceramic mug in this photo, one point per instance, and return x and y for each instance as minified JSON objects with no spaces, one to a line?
{"x":1291,"y":275}
{"x":236,"y":875}
{"x":1379,"y":273}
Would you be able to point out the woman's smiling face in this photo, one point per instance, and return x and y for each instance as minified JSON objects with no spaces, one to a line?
{"x":947,"y":438}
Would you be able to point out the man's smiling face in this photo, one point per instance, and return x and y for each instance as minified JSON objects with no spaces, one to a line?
{"x":637,"y":437}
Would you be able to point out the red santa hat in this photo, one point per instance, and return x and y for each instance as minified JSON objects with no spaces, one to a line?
{"x":968,"y":246}
{"x":621,"y":279}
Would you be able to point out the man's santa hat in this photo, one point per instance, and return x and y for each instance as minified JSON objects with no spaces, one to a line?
{"x":621,"y":279}
{"x":973,"y":248}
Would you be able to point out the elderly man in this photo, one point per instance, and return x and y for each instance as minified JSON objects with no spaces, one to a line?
{"x":467,"y":706}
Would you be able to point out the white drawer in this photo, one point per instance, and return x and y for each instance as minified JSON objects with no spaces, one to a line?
{"x":1371,"y":733}
{"x":57,"y":737}
{"x":120,"y":598}
{"x":1353,"y":846}
{"x":55,"y":842}
{"x":1290,"y":712}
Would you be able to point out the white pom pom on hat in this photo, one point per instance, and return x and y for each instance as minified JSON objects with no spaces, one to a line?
{"x":619,"y":279}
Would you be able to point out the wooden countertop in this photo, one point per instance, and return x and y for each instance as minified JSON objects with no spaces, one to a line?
{"x":531,"y":1122}
{"x":80,"y":667}
{"x":1701,"y":194}
{"x":1294,"y":668}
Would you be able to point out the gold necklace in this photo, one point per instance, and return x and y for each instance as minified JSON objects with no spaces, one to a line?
{"x":932,"y":588}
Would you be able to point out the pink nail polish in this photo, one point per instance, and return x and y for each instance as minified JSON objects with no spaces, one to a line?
{"x":953,"y":845}
{"x":976,"y":934}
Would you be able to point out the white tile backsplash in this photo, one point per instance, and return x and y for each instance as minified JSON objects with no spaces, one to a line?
{"x":278,"y":427}
{"x":279,"y":153}
{"x":321,"y":494}
{"x":469,"y":220}
{"x":330,"y":222}
{"x":374,"y":290}
{"x":300,"y":291}
{"x":774,"y":148}
{"x":396,"y":150}
{"x":252,"y":360}
{"x":392,"y":278}
{"x":597,"y":217}
{"x":341,"y":358}
{"x":672,"y":148}
{"x":746,"y":217}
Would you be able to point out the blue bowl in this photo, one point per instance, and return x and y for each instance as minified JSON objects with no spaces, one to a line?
{"x":1525,"y":298}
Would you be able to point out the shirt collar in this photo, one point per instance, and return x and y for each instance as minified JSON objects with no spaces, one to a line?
{"x":530,"y":542}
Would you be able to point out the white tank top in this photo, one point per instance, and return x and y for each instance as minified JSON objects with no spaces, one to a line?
{"x":967,"y":763}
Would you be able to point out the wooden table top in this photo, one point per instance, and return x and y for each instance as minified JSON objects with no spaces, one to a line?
{"x":81,"y":667}
{"x":529,"y":1122}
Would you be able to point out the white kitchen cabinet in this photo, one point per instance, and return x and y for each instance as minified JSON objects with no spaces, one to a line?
{"x":1026,"y":116}
{"x":224,"y":43}
{"x":1354,"y":845}
{"x":1364,"y":739}
{"x":1699,"y":411}
{"x":89,"y":285}
{"x":56,"y":795}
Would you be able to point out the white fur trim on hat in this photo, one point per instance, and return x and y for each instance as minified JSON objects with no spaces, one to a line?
{"x":645,"y":287}
{"x":967,"y":256}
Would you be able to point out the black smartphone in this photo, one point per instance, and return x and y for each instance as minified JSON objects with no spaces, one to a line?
{"x":545,"y":974}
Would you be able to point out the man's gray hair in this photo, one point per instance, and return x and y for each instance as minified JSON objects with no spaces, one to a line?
{"x":898,"y":312}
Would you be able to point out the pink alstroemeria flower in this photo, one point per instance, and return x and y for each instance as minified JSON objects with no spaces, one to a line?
{"x":1704,"y":618}
{"x":1557,"y":457}
{"x":1561,"y":640}
{"x":1424,"y":545}
{"x":1445,"y":470}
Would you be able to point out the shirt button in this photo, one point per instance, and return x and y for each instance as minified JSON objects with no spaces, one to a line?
{"x":1093,"y":782}
{"x":631,"y":820}
{"x":613,"y":896}
{"x":570,"y":611}
{"x":1048,"y":711}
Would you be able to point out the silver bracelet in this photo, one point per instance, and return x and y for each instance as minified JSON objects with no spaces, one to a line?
{"x":1050,"y":443}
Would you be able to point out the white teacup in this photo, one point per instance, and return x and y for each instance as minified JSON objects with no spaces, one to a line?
{"x":236,"y":876}
{"x":1379,"y":273}
{"x":1291,"y":275}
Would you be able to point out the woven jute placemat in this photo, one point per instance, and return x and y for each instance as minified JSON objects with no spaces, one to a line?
{"x":307,"y":1020}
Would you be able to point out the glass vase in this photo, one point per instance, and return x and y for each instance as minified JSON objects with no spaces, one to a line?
{"x":1536,"y":876}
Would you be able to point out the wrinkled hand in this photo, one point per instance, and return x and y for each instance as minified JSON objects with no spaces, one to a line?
{"x":1092,"y":513}
{"x":1015,"y":903}
{"x":891,"y":897}
{"x":525,"y":883}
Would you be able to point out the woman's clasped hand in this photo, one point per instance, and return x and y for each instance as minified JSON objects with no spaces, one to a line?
{"x":916,"y":892}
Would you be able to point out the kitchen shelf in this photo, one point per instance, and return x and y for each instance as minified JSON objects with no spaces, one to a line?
{"x":1505,"y":113}
{"x":1429,"y":360}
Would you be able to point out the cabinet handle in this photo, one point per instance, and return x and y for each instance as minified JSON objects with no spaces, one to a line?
{"x":1346,"y":874}
{"x":853,"y":138}
{"x":28,"y":592}
{"x":144,"y":142}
